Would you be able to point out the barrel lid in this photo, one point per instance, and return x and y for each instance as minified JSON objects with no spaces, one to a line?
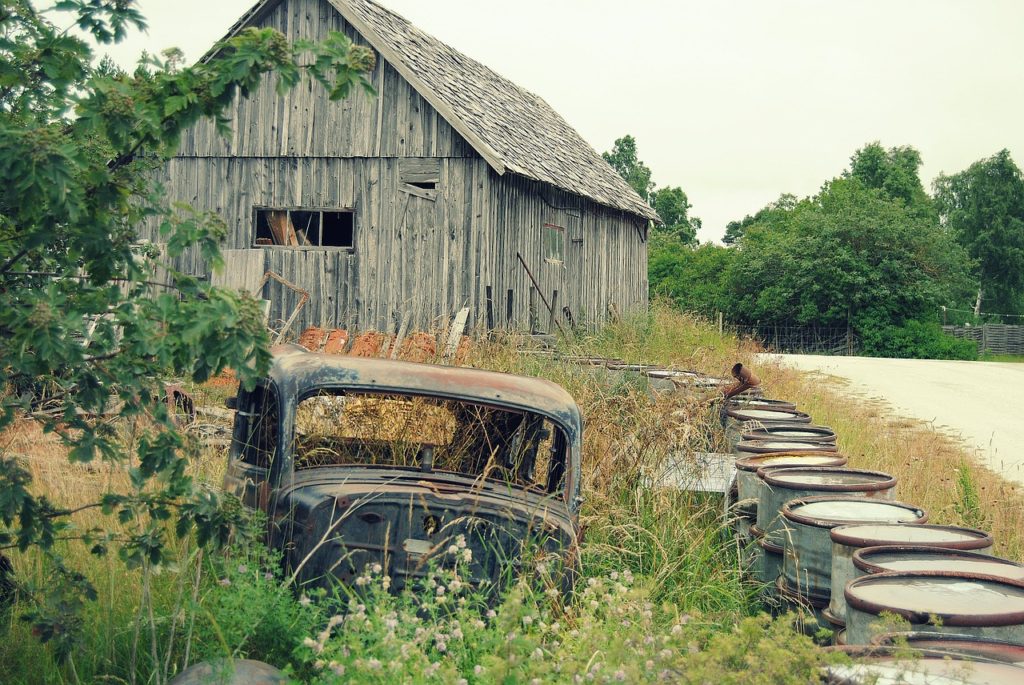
{"x":829,"y":511}
{"x":958,"y":599}
{"x":949,"y":537}
{"x":798,"y":431}
{"x":770,"y":445}
{"x":753,"y":402}
{"x":915,"y":558}
{"x":973,"y":646}
{"x":930,"y":669}
{"x":231,"y":672}
{"x":829,"y":479}
{"x":765,"y":414}
{"x":754,"y":462}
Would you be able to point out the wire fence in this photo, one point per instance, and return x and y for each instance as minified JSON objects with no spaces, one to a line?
{"x":801,"y":339}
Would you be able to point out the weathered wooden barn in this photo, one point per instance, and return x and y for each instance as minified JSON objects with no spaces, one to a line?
{"x":420,"y":200}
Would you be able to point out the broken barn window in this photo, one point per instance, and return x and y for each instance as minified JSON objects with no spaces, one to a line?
{"x":518,"y":448}
{"x":304,"y":228}
{"x":554,"y":244}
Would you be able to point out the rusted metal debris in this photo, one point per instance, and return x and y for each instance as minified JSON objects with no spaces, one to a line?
{"x":367,"y":461}
{"x":745,"y":380}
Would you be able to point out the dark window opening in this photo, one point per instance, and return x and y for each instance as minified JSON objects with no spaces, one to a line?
{"x":425,"y":185}
{"x":338,"y":229}
{"x":304,"y":228}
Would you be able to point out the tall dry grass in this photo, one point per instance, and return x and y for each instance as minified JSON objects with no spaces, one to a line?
{"x":674,"y":542}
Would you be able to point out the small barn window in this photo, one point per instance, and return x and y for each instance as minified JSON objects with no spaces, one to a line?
{"x":304,"y":228}
{"x":554,"y":244}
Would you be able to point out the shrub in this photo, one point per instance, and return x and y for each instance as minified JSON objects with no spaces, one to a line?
{"x":916,"y":340}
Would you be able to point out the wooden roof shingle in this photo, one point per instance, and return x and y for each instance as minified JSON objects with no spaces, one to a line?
{"x":513,"y":129}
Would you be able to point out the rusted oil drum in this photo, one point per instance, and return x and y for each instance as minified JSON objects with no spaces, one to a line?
{"x":964,"y":603}
{"x":782,"y":446}
{"x":791,"y":432}
{"x":807,"y":556}
{"x":781,"y":484}
{"x":748,"y":484}
{"x":766,"y":564}
{"x":889,"y":665}
{"x":848,"y":539}
{"x":809,"y":608}
{"x":760,"y":403}
{"x":230,"y":672}
{"x":766,"y":415}
{"x":968,"y":646}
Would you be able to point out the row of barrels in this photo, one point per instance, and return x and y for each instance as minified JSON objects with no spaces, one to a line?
{"x":659,"y":376}
{"x":835,"y":543}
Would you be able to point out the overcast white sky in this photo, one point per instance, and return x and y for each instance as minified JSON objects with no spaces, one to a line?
{"x":736,"y":101}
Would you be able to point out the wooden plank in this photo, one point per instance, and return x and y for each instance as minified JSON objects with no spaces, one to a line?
{"x":455,"y":334}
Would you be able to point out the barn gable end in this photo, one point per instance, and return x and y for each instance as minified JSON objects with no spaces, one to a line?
{"x":436,"y":224}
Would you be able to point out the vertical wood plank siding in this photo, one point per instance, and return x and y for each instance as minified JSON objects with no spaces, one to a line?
{"x":412,"y":254}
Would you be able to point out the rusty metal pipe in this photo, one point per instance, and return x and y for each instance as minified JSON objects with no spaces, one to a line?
{"x":745,"y":379}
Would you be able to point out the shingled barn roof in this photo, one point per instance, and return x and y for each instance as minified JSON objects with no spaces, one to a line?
{"x":511,"y":128}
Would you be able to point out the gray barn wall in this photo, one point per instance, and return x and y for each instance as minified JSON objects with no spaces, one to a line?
{"x":428,"y":258}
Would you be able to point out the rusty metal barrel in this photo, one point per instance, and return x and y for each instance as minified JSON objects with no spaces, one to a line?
{"x":782,"y":484}
{"x":766,"y":415}
{"x":766,"y":560}
{"x":969,"y":646}
{"x":791,"y":432}
{"x":807,"y":556}
{"x":748,"y":484}
{"x":892,"y":665}
{"x":736,"y":420}
{"x":846,"y":540}
{"x":760,"y":403}
{"x":780,"y":446}
{"x":963,"y":603}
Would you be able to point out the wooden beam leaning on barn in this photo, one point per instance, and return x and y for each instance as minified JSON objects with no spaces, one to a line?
{"x":540,"y":292}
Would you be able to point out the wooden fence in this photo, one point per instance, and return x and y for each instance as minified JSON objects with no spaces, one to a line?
{"x":996,"y":338}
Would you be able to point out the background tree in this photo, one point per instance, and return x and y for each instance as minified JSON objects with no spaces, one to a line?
{"x":671,"y":203}
{"x":693,"y":278}
{"x":674,"y":208}
{"x":734,"y":230}
{"x":849,"y":255}
{"x":624,"y":160}
{"x":895,"y":172}
{"x":89,"y":320}
{"x":984,"y":207}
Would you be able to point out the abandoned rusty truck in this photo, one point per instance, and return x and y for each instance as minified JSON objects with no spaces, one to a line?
{"x":359,"y":462}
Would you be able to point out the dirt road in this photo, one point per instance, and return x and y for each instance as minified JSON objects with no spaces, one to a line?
{"x":982,"y":402}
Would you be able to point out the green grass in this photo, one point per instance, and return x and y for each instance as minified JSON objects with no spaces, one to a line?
{"x":1005,"y":358}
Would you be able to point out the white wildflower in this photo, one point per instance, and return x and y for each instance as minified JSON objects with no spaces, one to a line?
{"x":305,"y":601}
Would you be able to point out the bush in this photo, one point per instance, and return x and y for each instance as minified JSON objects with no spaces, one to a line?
{"x":916,"y":340}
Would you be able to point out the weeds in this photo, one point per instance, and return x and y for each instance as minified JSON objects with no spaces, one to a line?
{"x":660,"y":595}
